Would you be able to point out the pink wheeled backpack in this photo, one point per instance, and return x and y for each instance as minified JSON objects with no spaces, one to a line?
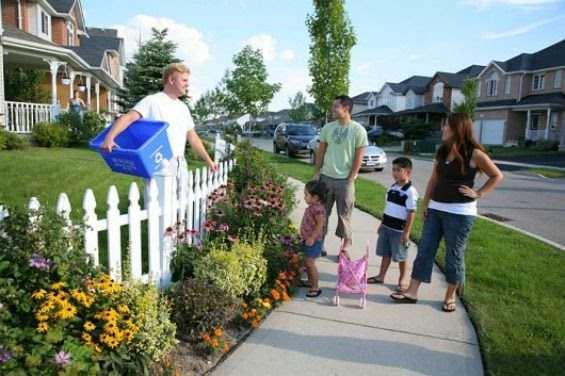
{"x":352,"y":277}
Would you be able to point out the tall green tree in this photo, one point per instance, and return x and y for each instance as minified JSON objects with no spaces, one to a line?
{"x":469,"y":104}
{"x":332,"y":38}
{"x":144,"y":74}
{"x":245,"y":89}
{"x":210,"y":105}
{"x":298,"y":110}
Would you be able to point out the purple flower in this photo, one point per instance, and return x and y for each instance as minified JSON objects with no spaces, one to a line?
{"x":62,"y":358}
{"x":5,"y":355}
{"x":223,"y":227}
{"x":39,"y":262}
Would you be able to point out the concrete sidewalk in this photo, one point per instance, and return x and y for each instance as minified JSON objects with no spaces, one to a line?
{"x":313,"y":337}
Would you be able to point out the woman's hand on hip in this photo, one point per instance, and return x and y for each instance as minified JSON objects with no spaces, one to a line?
{"x":469,"y":192}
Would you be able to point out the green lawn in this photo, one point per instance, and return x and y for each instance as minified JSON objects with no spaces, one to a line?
{"x":506,"y":152}
{"x":514,"y":291}
{"x":44,"y":173}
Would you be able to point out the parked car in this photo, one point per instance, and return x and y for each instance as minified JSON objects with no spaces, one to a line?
{"x":374,"y":158}
{"x":374,"y":132}
{"x":293,"y":138}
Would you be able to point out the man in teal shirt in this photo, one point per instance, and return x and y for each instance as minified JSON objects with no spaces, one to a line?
{"x":339,"y":157}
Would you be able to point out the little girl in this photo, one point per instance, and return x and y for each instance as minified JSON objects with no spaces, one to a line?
{"x":311,"y":232}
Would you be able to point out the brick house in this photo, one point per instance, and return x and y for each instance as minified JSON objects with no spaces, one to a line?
{"x":523,"y":98}
{"x":52,"y":36}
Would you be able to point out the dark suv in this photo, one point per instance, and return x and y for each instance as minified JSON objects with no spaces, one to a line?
{"x":293,"y":138}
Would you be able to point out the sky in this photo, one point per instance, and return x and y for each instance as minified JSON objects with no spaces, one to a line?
{"x":395,"y":39}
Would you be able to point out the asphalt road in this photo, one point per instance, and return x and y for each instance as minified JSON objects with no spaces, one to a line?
{"x":523,"y":200}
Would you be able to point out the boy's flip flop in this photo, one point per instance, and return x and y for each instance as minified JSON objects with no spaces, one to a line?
{"x":374,"y":280}
{"x":314,"y":294}
{"x":399,"y":297}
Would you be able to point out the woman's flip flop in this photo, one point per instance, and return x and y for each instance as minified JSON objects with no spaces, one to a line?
{"x":314,"y":294}
{"x":374,"y":280}
{"x":401,"y":298}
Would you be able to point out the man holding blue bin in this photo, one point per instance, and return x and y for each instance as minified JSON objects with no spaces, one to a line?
{"x":166,"y":106}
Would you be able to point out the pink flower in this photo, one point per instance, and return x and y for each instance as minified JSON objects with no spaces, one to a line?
{"x":62,"y":358}
{"x":232,"y":238}
{"x":223,"y":227}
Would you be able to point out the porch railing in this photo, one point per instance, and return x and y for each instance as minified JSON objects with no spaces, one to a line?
{"x":22,"y":116}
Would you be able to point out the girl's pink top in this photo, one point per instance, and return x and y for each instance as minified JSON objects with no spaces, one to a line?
{"x":308,"y":225}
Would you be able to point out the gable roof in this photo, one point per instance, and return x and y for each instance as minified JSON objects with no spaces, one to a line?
{"x":552,"y":56}
{"x":362,"y":98}
{"x":14,"y":32}
{"x":472,"y":70}
{"x":456,"y":80}
{"x":415,"y":83}
{"x":93,"y":47}
{"x":381,"y":110}
{"x":62,"y":6}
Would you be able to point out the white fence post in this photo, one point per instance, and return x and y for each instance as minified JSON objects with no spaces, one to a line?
{"x":90,"y":225}
{"x":33,"y":208}
{"x":114,"y":235}
{"x":64,"y":209}
{"x":134,"y":220}
{"x":190,"y":208}
{"x":165,"y":180}
{"x":153,"y":213}
{"x":203,"y":197}
{"x":197,"y":195}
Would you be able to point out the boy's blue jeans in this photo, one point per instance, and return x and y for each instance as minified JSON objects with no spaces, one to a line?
{"x":455,"y":229}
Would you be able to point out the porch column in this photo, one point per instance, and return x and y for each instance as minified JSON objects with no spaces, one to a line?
{"x":88,"y":95}
{"x":2,"y":95}
{"x":548,"y":124}
{"x":54,"y":68}
{"x":97,"y":90}
{"x":528,"y":122}
{"x":109,"y":94}
{"x":72,"y":84}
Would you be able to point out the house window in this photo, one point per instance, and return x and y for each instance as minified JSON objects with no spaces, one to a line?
{"x":491,"y":88}
{"x":70,"y":34}
{"x":554,"y":121}
{"x":557,"y":79}
{"x":438,"y":93}
{"x":478,"y":88}
{"x":44,"y":23}
{"x":538,"y":81}
{"x":507,"y":85}
{"x":372,"y":120}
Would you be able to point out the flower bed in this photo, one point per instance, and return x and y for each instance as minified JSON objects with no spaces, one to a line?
{"x":59,"y":315}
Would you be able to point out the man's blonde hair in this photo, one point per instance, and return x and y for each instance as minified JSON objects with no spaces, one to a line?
{"x":172,"y":69}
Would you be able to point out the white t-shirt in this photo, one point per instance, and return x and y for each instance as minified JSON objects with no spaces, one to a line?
{"x":400,"y":199}
{"x":161,"y":107}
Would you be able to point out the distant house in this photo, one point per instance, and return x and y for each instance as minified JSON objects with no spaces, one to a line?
{"x":404,"y":95}
{"x":52,"y":36}
{"x":523,"y":98}
{"x":361,"y":102}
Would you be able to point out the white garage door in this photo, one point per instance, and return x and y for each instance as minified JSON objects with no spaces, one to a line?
{"x":489,"y":132}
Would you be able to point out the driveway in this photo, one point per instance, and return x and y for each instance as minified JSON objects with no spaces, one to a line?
{"x":523,"y":200}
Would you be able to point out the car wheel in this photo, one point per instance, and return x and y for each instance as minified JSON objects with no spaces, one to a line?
{"x":275,"y":148}
{"x":379,"y":169}
{"x":288,"y":152}
{"x":312,"y":157}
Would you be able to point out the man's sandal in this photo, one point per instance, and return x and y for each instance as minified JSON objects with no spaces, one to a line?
{"x":374,"y":280}
{"x":314,"y":293}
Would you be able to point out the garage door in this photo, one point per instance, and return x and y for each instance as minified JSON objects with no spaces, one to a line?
{"x":489,"y":132}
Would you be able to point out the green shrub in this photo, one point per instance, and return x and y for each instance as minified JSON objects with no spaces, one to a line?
{"x":11,"y":141}
{"x":223,"y":269}
{"x":152,"y":311}
{"x":191,"y":154}
{"x":418,"y":130}
{"x":546,"y":145}
{"x":81,"y":127}
{"x":199,"y":306}
{"x":50,"y":135}
{"x":253,"y":266}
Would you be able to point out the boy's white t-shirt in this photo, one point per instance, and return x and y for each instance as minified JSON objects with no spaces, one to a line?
{"x":161,"y":107}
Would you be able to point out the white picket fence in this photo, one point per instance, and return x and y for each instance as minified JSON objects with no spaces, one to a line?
{"x":174,"y":198}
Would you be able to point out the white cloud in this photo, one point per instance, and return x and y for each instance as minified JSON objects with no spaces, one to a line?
{"x":485,"y":4}
{"x":363,"y":68}
{"x":292,"y":81}
{"x":191,"y":46}
{"x":415,"y":57}
{"x":265,"y":43}
{"x":288,"y":55}
{"x":520,"y":30}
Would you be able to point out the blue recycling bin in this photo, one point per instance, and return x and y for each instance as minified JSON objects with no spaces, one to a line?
{"x":141,"y":148}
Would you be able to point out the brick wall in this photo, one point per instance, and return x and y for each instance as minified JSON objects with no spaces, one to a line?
{"x":10,"y":13}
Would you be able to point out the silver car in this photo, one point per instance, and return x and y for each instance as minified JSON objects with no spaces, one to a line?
{"x":374,"y":158}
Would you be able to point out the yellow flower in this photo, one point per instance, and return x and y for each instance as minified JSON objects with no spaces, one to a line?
{"x":57,"y":285}
{"x":110,"y":315}
{"x":218,"y":332}
{"x":128,"y":334}
{"x":41,"y":317}
{"x":97,"y":348}
{"x":122,"y":308}
{"x":89,"y":326}
{"x":42,"y":327}
{"x":68,"y":311}
{"x":39,"y":294}
{"x":111,"y":328}
{"x":86,"y":337}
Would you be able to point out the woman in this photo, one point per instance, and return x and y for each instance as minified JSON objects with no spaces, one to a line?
{"x":450,"y":207}
{"x":76,"y":104}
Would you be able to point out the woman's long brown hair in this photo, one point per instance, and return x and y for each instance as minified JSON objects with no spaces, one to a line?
{"x":462,"y":143}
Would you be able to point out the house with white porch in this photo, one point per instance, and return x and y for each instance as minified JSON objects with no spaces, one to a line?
{"x":51,"y":36}
{"x":523,"y":98}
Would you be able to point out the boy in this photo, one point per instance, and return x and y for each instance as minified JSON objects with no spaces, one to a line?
{"x":399,"y":214}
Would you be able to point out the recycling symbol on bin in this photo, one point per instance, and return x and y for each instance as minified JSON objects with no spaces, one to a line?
{"x":158,"y":157}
